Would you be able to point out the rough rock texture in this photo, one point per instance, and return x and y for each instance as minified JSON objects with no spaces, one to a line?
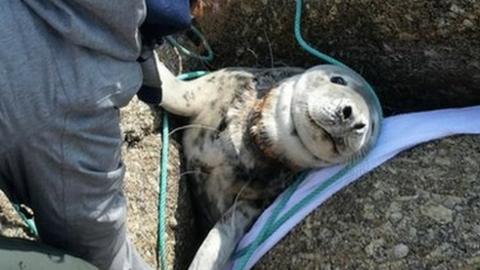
{"x":420,"y":210}
{"x":141,"y":128}
{"x":10,"y":223}
{"x":424,"y":53}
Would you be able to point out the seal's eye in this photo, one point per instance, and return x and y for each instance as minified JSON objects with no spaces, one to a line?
{"x":338,"y":80}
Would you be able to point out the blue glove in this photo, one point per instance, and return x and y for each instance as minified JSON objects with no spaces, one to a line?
{"x":165,"y":17}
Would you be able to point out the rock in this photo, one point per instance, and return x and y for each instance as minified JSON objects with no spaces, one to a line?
{"x":375,"y":249}
{"x":141,"y":153}
{"x":400,"y":251}
{"x":438,"y":203}
{"x":476,"y":229}
{"x":468,"y":24}
{"x":396,"y":217}
{"x":439,"y":213}
{"x":417,"y":54}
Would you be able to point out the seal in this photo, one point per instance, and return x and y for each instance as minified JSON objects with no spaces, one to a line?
{"x":252,"y":130}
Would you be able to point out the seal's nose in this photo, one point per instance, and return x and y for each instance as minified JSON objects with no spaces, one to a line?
{"x":359,"y":126}
{"x":346,"y":112}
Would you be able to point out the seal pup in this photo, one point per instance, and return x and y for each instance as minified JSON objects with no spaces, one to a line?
{"x":252,"y":131}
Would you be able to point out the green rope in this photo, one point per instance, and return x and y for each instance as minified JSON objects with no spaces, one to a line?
{"x":272,"y":224}
{"x":191,"y":75}
{"x":266,"y":230}
{"x":330,"y":60}
{"x":162,"y":219}
{"x":29,"y":222}
{"x":162,"y":216}
{"x":188,"y":52}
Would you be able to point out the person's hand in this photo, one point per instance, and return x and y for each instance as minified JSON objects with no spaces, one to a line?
{"x":165,"y":17}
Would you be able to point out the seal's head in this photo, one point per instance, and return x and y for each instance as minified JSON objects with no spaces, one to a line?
{"x":324,"y":116}
{"x":334,"y":113}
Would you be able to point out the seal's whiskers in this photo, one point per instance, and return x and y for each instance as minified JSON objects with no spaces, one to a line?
{"x":235,"y":201}
{"x":192,"y":126}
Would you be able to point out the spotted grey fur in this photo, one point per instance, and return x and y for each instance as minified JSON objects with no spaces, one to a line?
{"x":253,"y":130}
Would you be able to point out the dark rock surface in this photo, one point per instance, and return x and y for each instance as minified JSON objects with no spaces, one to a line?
{"x":417,"y":54}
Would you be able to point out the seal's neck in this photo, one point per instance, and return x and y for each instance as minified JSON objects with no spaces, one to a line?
{"x":262,"y":141}
{"x":272,"y":129}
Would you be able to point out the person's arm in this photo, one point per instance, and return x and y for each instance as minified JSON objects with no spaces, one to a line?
{"x":110,"y":27}
{"x":165,"y":17}
{"x":118,"y":28}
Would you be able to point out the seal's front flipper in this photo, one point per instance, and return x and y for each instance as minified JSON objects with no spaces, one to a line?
{"x":178,"y":97}
{"x":221,"y":241}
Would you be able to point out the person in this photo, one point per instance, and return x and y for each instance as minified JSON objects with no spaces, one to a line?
{"x":66,"y":67}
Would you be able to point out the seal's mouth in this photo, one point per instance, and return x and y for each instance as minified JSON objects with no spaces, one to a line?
{"x":326,"y":134}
